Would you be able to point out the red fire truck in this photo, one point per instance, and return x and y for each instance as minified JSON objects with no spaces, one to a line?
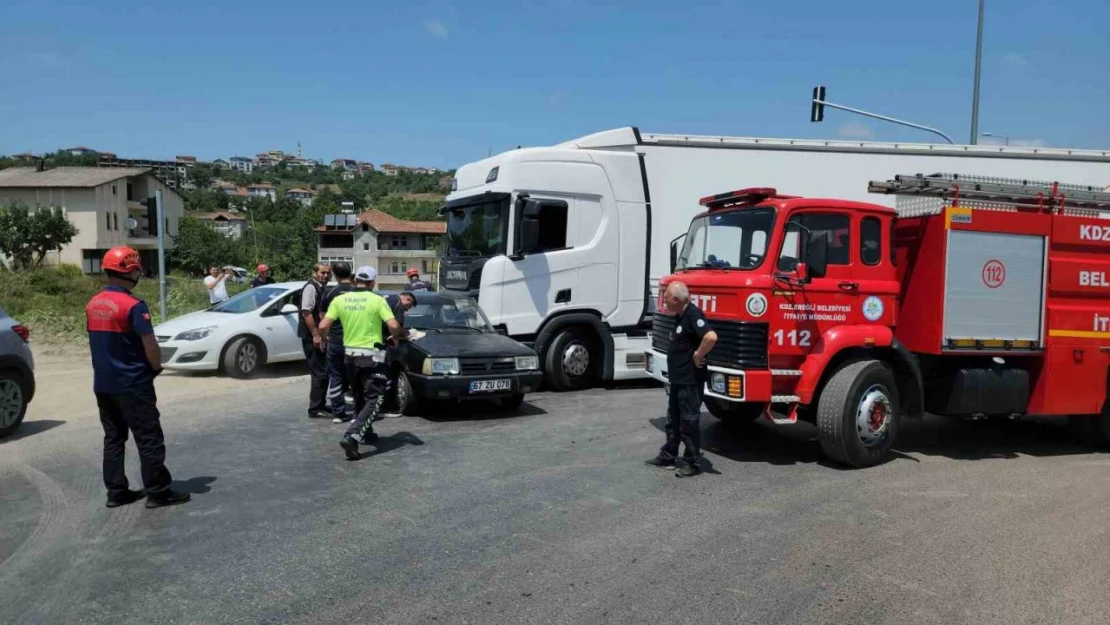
{"x":973,"y":297}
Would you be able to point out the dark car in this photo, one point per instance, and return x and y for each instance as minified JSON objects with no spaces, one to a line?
{"x":461,"y":357}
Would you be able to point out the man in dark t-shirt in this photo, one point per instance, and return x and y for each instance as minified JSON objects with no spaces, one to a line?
{"x":690,"y":343}
{"x":336,"y":358}
{"x":399,"y":304}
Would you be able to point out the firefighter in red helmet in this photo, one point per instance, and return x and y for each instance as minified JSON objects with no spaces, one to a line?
{"x":263,"y":278}
{"x":415,"y":283}
{"x":126,"y":359}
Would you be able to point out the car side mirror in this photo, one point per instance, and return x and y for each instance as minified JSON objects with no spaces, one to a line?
{"x":289,"y":309}
{"x":817,"y":256}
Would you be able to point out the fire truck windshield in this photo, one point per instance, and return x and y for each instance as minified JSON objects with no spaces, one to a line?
{"x":736,"y":239}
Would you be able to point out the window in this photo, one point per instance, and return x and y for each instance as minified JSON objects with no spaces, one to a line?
{"x":90,"y":260}
{"x":113,"y":189}
{"x":130,"y":193}
{"x":836,"y":227}
{"x":107,"y":221}
{"x":366,"y":247}
{"x":424,"y":266}
{"x":115,"y":221}
{"x":395,"y":267}
{"x":553,"y":226}
{"x":404,"y":266}
{"x":400,"y":242}
{"x":870,"y":241}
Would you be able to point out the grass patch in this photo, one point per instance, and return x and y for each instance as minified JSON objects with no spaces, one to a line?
{"x":51,"y":301}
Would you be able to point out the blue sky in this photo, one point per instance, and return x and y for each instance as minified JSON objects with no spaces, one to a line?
{"x":442,"y":83}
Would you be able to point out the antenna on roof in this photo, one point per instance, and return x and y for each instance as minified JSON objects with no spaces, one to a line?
{"x":41,"y":166}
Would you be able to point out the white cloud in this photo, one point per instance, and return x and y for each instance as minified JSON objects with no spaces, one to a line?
{"x":1015,"y":60}
{"x":855,"y":130}
{"x":436,"y":29}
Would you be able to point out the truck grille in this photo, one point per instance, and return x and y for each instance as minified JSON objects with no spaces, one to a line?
{"x":740,"y":344}
{"x":481,"y":366}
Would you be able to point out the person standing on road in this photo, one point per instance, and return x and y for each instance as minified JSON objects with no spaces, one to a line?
{"x":398,"y":304}
{"x":263,"y":277}
{"x":690,"y":342}
{"x":415,"y":283}
{"x":362,"y":313}
{"x":126,"y":359}
{"x":336,"y":359}
{"x":312,"y":340}
{"x":216,"y":282}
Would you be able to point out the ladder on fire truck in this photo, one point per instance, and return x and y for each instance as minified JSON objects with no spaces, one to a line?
{"x":920,"y":195}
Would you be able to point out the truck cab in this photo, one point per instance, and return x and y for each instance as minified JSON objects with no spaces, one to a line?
{"x":787,"y":283}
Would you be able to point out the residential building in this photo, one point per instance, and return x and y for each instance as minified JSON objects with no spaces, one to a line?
{"x":230,"y":225}
{"x":262,"y":189}
{"x":390,"y":169}
{"x":264,"y":159}
{"x":188,"y":161}
{"x":183,"y":165}
{"x":346,"y":164}
{"x":347,"y":175}
{"x":81,"y":151}
{"x":104,"y":203}
{"x":166,"y":171}
{"x":24,"y":156}
{"x":220,"y":163}
{"x":391,"y":245}
{"x":365,"y":168}
{"x":231,"y":189}
{"x":310,"y":163}
{"x":242,"y":163}
{"x":304,"y":196}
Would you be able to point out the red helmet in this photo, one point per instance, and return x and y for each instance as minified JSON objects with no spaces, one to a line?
{"x":121,"y":259}
{"x":412,"y":272}
{"x":262,"y":268}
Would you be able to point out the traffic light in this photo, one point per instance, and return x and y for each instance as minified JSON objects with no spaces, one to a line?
{"x":817,"y":105}
{"x":151,"y":205}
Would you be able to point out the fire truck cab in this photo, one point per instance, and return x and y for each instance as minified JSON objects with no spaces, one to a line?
{"x":973,"y":297}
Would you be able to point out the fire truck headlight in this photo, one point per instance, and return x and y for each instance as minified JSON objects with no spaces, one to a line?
{"x":717,"y":383}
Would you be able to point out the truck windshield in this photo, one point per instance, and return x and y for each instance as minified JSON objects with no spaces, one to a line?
{"x":477,"y":230}
{"x":734,"y":240}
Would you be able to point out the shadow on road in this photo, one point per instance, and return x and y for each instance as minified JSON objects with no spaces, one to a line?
{"x":194,"y":485}
{"x":476,"y":411}
{"x":268,"y":372}
{"x":957,"y":439}
{"x":386,"y":444}
{"x":30,"y":428}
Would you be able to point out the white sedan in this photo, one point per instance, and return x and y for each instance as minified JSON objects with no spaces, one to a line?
{"x":254,"y":328}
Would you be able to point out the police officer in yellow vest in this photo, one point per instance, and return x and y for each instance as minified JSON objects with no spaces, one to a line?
{"x":362,"y":313}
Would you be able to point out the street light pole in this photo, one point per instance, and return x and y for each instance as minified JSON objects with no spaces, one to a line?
{"x":978,"y":67}
{"x":994,"y":136}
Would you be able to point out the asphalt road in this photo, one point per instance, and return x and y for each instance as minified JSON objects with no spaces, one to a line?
{"x":550,"y":517}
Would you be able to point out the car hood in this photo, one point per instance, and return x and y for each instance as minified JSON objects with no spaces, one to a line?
{"x":192,"y":321}
{"x":463,"y":345}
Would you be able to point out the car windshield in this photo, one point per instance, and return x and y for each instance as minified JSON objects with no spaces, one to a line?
{"x":730,"y":240}
{"x":477,"y":230}
{"x":448,"y":315}
{"x":251,"y":299}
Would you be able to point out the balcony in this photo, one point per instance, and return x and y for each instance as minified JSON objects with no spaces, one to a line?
{"x":399,"y":254}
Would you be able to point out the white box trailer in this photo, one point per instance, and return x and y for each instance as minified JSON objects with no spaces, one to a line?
{"x":564,"y":246}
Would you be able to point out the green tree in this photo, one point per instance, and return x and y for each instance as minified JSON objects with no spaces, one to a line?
{"x":202,"y":175}
{"x":198,"y":247}
{"x":27,"y":236}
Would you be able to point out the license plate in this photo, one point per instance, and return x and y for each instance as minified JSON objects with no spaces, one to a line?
{"x":487,"y":386}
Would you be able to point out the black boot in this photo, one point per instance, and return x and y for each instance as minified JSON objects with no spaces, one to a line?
{"x":129,"y":497}
{"x":660,"y":462}
{"x":168,"y":498}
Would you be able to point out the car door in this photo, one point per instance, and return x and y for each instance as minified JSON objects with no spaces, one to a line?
{"x":280,"y":330}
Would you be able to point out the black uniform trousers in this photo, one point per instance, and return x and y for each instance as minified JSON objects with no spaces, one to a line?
{"x":136,"y":412}
{"x":318,"y":376}
{"x":683,"y":423}
{"x":369,"y":381}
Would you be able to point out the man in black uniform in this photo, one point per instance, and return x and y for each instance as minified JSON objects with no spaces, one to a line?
{"x":312,"y":341}
{"x":399,"y":304}
{"x":690,"y":342}
{"x":337,"y":359}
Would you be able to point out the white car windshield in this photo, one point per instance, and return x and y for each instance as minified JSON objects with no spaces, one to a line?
{"x":251,"y":299}
{"x":448,"y":315}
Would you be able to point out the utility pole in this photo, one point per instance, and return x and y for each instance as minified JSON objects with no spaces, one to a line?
{"x":978,"y":67}
{"x":161,"y":226}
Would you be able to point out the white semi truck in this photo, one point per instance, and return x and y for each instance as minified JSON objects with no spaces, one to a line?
{"x":563,"y":246}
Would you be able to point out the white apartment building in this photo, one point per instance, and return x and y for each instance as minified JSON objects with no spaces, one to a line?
{"x":391,"y":245}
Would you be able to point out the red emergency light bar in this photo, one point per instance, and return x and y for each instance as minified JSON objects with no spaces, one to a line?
{"x":753,"y":195}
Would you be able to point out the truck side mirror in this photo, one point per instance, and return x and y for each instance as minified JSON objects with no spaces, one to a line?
{"x":674,"y":251}
{"x":528,"y":226}
{"x":817,"y":255}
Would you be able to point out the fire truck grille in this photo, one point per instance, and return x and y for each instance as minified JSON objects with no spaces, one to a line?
{"x":740,"y":344}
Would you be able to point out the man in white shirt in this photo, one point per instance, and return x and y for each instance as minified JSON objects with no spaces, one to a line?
{"x":217,"y":287}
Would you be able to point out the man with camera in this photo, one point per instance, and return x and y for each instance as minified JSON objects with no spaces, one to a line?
{"x":216,"y":283}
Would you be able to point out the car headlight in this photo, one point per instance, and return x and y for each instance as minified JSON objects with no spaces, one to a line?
{"x":441,"y":366}
{"x":527,"y":363}
{"x":195,"y":335}
{"x":717,"y":383}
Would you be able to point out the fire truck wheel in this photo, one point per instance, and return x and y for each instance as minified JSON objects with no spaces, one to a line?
{"x":733,"y":413}
{"x":857,"y":414}
{"x":569,"y":362}
{"x":1093,"y":430}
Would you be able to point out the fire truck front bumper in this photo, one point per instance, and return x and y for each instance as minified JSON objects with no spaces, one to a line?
{"x":736,"y":385}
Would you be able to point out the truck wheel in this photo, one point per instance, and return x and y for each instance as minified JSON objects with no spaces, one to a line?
{"x":243,"y":357}
{"x":734,"y":413}
{"x":857,"y":414}
{"x":1093,"y":430}
{"x":569,"y":362}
